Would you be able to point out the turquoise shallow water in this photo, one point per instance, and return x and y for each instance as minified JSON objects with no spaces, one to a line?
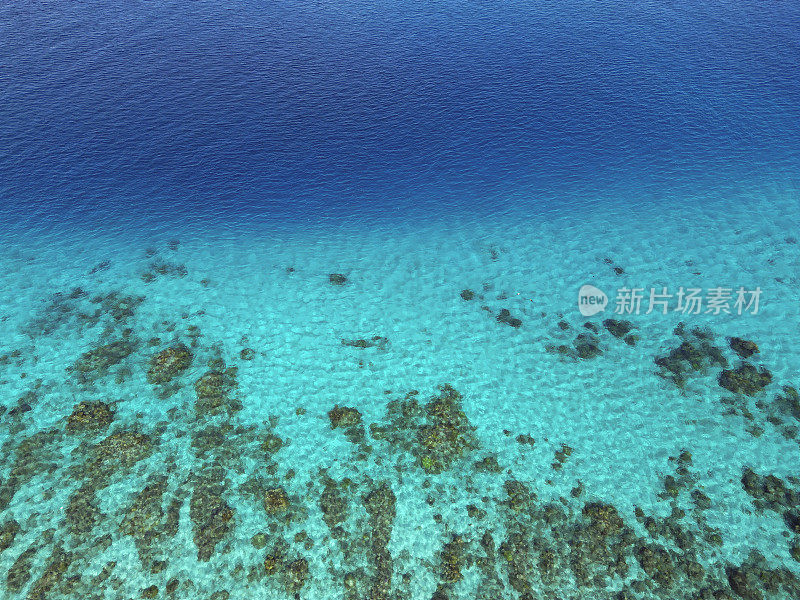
{"x":210,"y":413}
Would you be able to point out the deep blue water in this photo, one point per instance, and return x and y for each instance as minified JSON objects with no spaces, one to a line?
{"x":306,"y":109}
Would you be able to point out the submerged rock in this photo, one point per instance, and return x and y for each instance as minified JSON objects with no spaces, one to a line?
{"x":505,"y":317}
{"x":453,"y":559}
{"x":436,"y":434}
{"x":344,"y":416}
{"x":604,"y":518}
{"x":89,"y":416}
{"x":560,"y":457}
{"x":97,"y":361}
{"x":144,"y":520}
{"x":82,"y":511}
{"x":788,"y":402}
{"x":333,"y":504}
{"x":213,"y":390}
{"x":587,"y":346}
{"x":169,"y":363}
{"x":517,"y":563}
{"x":618,"y":329}
{"x":37,"y":454}
{"x":740,"y":583}
{"x":742,"y":347}
{"x":52,"y":576}
{"x":276,"y":501}
{"x":380,"y":504}
{"x":271,"y":443}
{"x":656,"y":562}
{"x":120,"y":308}
{"x":150,"y":525}
{"x":20,"y":572}
{"x":488,"y":465}
{"x":169,"y":269}
{"x":211,"y":516}
{"x":745,"y":379}
{"x":8,"y":531}
{"x":769,"y":491}
{"x":695,"y":354}
{"x":118,"y":452}
{"x":375,"y":340}
{"x":348,"y":419}
{"x":295,"y":575}
{"x":794,"y":550}
{"x":447,"y":435}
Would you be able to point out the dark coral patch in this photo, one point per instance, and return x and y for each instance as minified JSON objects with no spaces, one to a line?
{"x":89,"y":416}
{"x":118,"y":452}
{"x":742,"y":347}
{"x":505,"y":317}
{"x":695,"y":354}
{"x":374,"y":341}
{"x":8,"y":531}
{"x":618,"y":329}
{"x":210,"y":514}
{"x":213,"y":391}
{"x":344,"y":416}
{"x":96,"y":362}
{"x":169,"y":363}
{"x":745,"y":379}
{"x":276,"y":501}
{"x":587,"y":346}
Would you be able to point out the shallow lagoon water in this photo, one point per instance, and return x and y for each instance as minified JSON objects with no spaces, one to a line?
{"x":253,"y":328}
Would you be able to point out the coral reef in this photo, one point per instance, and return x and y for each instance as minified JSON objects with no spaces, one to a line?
{"x":213,"y":391}
{"x":744,"y":348}
{"x":96,"y":362}
{"x":374,"y":341}
{"x":695,"y":355}
{"x":436,"y":434}
{"x":212,"y":517}
{"x":89,"y":416}
{"x":169,"y":363}
{"x":745,"y":379}
{"x":505,"y":317}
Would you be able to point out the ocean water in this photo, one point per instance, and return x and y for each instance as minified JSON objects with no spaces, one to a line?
{"x":289,"y":300}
